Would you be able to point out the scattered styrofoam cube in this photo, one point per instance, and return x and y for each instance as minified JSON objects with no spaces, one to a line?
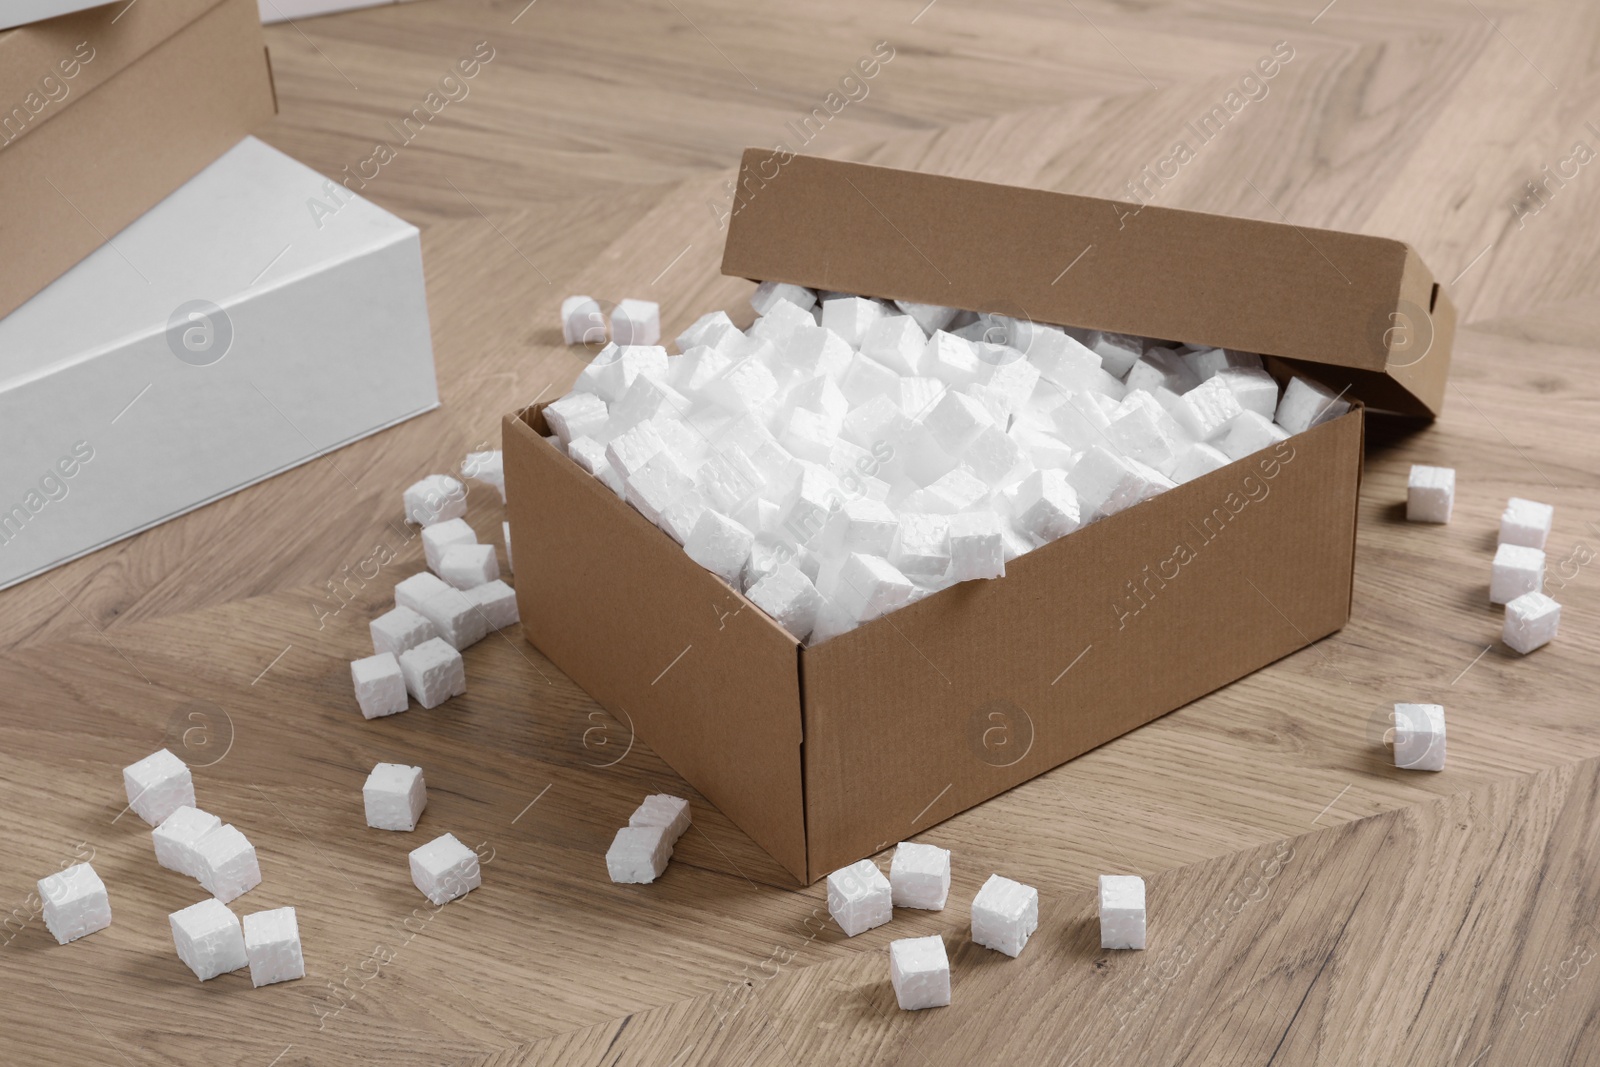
{"x":1306,"y":403}
{"x":1419,"y":737}
{"x":977,"y":546}
{"x":444,"y":535}
{"x":380,"y":684}
{"x":272,"y":947}
{"x":157,"y":786}
{"x":919,"y":876}
{"x":209,"y":939}
{"x":1517,"y":569}
{"x":434,"y":672}
{"x":495,"y":602}
{"x":1122,"y":915}
{"x":1249,"y":434}
{"x":487,"y":466}
{"x":178,"y":836}
{"x":445,"y":869}
{"x":919,"y":970}
{"x":466,"y":566}
{"x":1526,"y":522}
{"x":859,"y":897}
{"x":1532,"y":620}
{"x":413,"y":591}
{"x":394,"y":795}
{"x":581,"y":321}
{"x":75,"y":903}
{"x":638,"y":854}
{"x":398,"y":630}
{"x":436,"y":498}
{"x":1004,"y":915}
{"x":1430,"y":493}
{"x":458,"y":623}
{"x":226,"y":863}
{"x":769,"y":293}
{"x":666,"y":811}
{"x":636,"y":322}
{"x":789,"y":597}
{"x":576,"y":415}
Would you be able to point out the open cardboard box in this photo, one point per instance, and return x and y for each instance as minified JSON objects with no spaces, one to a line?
{"x":827,"y":754}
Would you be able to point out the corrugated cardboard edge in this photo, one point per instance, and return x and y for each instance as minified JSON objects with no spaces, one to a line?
{"x":707,"y":680}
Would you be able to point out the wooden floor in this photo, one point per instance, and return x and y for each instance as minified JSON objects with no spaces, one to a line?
{"x":1308,"y":902}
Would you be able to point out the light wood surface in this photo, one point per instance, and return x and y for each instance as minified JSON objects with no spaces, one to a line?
{"x":1411,"y":918}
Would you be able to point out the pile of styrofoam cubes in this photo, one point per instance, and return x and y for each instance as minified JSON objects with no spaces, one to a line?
{"x":846,"y":456}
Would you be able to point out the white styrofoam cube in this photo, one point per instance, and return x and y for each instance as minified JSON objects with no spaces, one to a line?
{"x":646,"y":398}
{"x":226,"y":863}
{"x":1253,"y":387}
{"x":436,"y":498}
{"x":178,"y":835}
{"x":1207,"y":410}
{"x":1004,"y":915}
{"x":1430,"y":493}
{"x":495,"y":602}
{"x":789,"y":597}
{"x":1207,"y":363}
{"x":1142,"y":430}
{"x":1122,"y":914}
{"x":467,"y":566}
{"x":810,"y":435}
{"x":691,"y":372}
{"x":921,"y":545}
{"x":394,"y":796}
{"x":866,"y":378}
{"x":1161,"y":367}
{"x":869,"y":587}
{"x":434,"y":672}
{"x":380,"y":686}
{"x":953,"y":360}
{"x":1526,"y":522}
{"x":769,"y":293}
{"x":581,"y":321}
{"x":74,"y":903}
{"x":817,"y":350}
{"x":919,"y":876}
{"x":1248,"y":434}
{"x":591,"y":455}
{"x":929,"y":317}
{"x":1419,"y":737}
{"x":487,"y":466}
{"x":618,"y":366}
{"x":806,"y":508}
{"x":1047,"y":506}
{"x":576,"y":415}
{"x":638,"y":854}
{"x":859,"y":897}
{"x":453,"y":616}
{"x":896,"y":341}
{"x":1118,"y":352}
{"x":955,"y":421}
{"x":720,"y":545}
{"x":1306,"y":403}
{"x":1517,"y":569}
{"x":878,"y":422}
{"x":209,"y":939}
{"x":851,"y":317}
{"x":399,"y":629}
{"x":863,"y":525}
{"x":779,"y":322}
{"x":1107,"y":483}
{"x":977,"y":546}
{"x":709,"y":330}
{"x":1198,"y":460}
{"x":157,"y":786}
{"x":664,"y":810}
{"x":950,"y":494}
{"x":743,"y":387}
{"x":636,"y":322}
{"x":272,"y":947}
{"x":445,"y":869}
{"x":413,"y":591}
{"x":919,"y":970}
{"x":443,"y":535}
{"x":1532,"y":620}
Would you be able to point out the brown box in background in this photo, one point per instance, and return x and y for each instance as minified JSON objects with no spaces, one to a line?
{"x":827,"y":754}
{"x":156,"y":92}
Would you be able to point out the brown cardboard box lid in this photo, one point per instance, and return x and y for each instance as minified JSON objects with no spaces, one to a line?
{"x":119,"y":35}
{"x":1356,"y":312}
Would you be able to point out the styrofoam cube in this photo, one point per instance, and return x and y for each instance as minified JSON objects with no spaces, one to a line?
{"x":977,"y":546}
{"x":1419,"y":737}
{"x":1160,"y":368}
{"x":434,"y":672}
{"x":1253,"y":387}
{"x":467,"y":566}
{"x":1107,"y":483}
{"x":869,"y":587}
{"x":638,"y":854}
{"x":495,"y":602}
{"x":863,"y":525}
{"x":645,"y":399}
{"x":955,"y":421}
{"x":157,"y":786}
{"x":950,"y":494}
{"x":1046,"y":505}
{"x":445,"y":869}
{"x":1206,"y":411}
{"x":272,"y":947}
{"x":178,"y":836}
{"x":617,"y":366}
{"x":1004,"y":915}
{"x":1198,"y":460}
{"x":691,"y":372}
{"x":817,"y":350}
{"x":743,"y":387}
{"x":226,"y":863}
{"x":576,"y":415}
{"x":1206,"y":363}
{"x":591,"y":455}
{"x":951,"y":359}
{"x":412,"y":592}
{"x":74,"y":903}
{"x":929,"y":317}
{"x":921,"y":545}
{"x":896,"y":341}
{"x":1430,"y":493}
{"x":789,"y":597}
{"x":919,"y":876}
{"x":1532,"y":620}
{"x":394,"y":796}
{"x":720,"y":545}
{"x":636,"y":322}
{"x":806,"y":508}
{"x":1122,"y":914}
{"x":664,"y":810}
{"x":436,"y":498}
{"x":1526,"y":522}
{"x":859,"y":897}
{"x":851,"y":317}
{"x":810,"y":435}
{"x":443,"y":535}
{"x":919,"y":970}
{"x":209,"y":939}
{"x":1249,"y":434}
{"x":380,"y":685}
{"x":1142,"y":430}
{"x":1517,"y":569}
{"x":709,"y":330}
{"x":399,"y":629}
{"x":581,"y":321}
{"x":769,"y":293}
{"x":781,"y":319}
{"x":457,"y":622}
{"x":866,"y":378}
{"x":1306,"y":403}
{"x":1118,"y":352}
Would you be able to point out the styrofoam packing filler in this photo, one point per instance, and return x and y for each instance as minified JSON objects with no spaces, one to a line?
{"x":639,"y":852}
{"x":847,"y":456}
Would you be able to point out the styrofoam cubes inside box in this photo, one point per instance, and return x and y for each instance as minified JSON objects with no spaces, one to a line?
{"x":1517,"y":569}
{"x":859,"y":897}
{"x":75,"y":903}
{"x":1419,"y":737}
{"x":919,"y":876}
{"x":272,"y":947}
{"x":177,"y":839}
{"x":394,"y":795}
{"x":1430,"y":493}
{"x":445,"y":869}
{"x":157,"y":786}
{"x":919,"y":971}
{"x":209,"y":939}
{"x":1526,"y":522}
{"x":1531,"y":622}
{"x":1122,"y":916}
{"x":380,"y":684}
{"x":1004,"y":915}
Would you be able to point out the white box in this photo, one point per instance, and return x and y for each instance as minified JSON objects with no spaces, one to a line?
{"x":21,"y":12}
{"x":320,"y":319}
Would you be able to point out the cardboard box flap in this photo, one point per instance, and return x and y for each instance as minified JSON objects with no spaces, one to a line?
{"x":1355,"y":311}
{"x":93,"y":45}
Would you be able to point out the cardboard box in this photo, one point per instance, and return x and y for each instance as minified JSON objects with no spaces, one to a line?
{"x":227,"y":335}
{"x":104,"y":112}
{"x":827,"y":754}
